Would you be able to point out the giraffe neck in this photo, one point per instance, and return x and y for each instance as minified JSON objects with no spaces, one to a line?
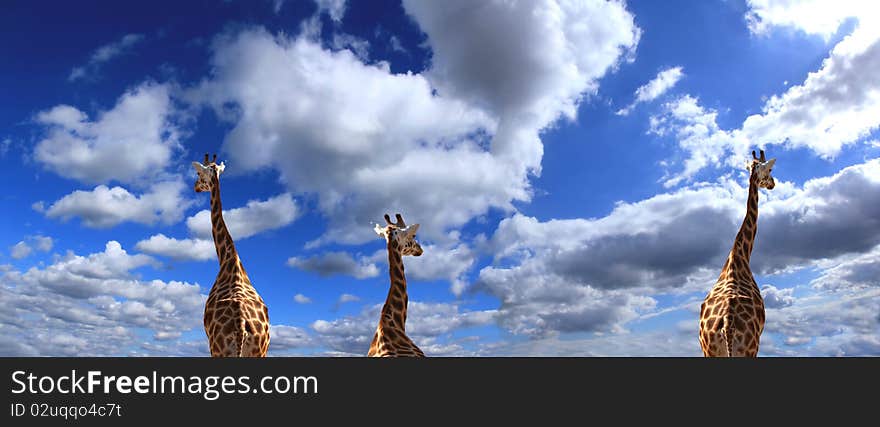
{"x":741,"y":252}
{"x":394,"y":310}
{"x":226,"y":252}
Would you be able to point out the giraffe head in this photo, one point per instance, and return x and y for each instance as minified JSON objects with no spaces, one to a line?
{"x":761,"y":169}
{"x":405,"y":236}
{"x":207,"y":171}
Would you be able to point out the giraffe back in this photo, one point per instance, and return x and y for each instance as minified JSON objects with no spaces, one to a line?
{"x":236,"y":319}
{"x":732,"y":318}
{"x":388,"y":342}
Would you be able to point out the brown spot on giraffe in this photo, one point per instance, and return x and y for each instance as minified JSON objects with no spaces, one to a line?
{"x":732,"y":314}
{"x":236,"y":319}
{"x":390,"y":339}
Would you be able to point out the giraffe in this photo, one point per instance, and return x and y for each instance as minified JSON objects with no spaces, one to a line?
{"x":390,"y":339}
{"x":732,"y":315}
{"x":236,"y":319}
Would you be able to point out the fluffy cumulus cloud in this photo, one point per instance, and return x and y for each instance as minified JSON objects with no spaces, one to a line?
{"x":652,"y":90}
{"x":820,"y":17}
{"x":284,"y":339}
{"x":179,"y":249}
{"x":836,"y":323}
{"x":680,"y":341}
{"x":698,"y":135}
{"x":524,"y":60}
{"x":104,"y":54}
{"x":441,"y":262}
{"x":839,"y":323}
{"x":302,"y":299}
{"x":100,"y":150}
{"x":20,"y":250}
{"x":330,"y":263}
{"x":835,"y":106}
{"x":43,"y":243}
{"x":255,"y":217}
{"x":448,"y":262}
{"x":827,"y":218}
{"x":857,"y":272}
{"x":777,"y":298}
{"x":100,"y":307}
{"x":595,"y":275}
{"x":26,"y":247}
{"x":344,"y":298}
{"x":443,"y":146}
{"x":105,"y":207}
{"x":358,"y":46}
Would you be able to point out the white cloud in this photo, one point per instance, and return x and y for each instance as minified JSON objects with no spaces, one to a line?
{"x":395,"y":44}
{"x":677,"y":343}
{"x":447,"y":262}
{"x":96,"y":305}
{"x":338,"y":127}
{"x":835,"y":106}
{"x":358,"y":46}
{"x":842,"y":323}
{"x":696,"y":130}
{"x":20,"y":250}
{"x":344,"y":298}
{"x":43,"y":243}
{"x":84,"y":275}
{"x":179,"y":249}
{"x":777,"y":298}
{"x":524,"y":60}
{"x":24,"y":248}
{"x":255,"y":217}
{"x":133,"y":140}
{"x":818,"y":324}
{"x":858,"y":272}
{"x":331,"y":263}
{"x":105,"y":207}
{"x":302,"y":299}
{"x":596,"y":275}
{"x":285,"y":338}
{"x":366,"y":141}
{"x":652,"y":90}
{"x":821,"y":17}
{"x":538,"y":302}
{"x":827,"y":218}
{"x":334,"y":8}
{"x":103,"y":54}
{"x":439,"y":262}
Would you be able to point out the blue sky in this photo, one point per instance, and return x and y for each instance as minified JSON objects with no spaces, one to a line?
{"x":577,"y":169}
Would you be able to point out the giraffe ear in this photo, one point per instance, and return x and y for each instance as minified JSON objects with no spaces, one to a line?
{"x":379,"y":230}
{"x":411,"y":230}
{"x":198,"y":167}
{"x":770,"y":163}
{"x":221,"y":167}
